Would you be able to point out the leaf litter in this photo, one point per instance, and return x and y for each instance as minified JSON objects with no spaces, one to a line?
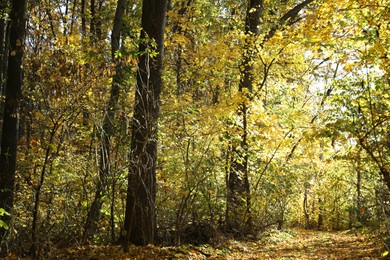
{"x":291,"y":244}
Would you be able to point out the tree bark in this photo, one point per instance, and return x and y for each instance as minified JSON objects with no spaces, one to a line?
{"x":358,"y":193}
{"x":178,"y":28}
{"x":380,"y":162}
{"x":238,"y":217}
{"x":93,"y":218}
{"x":3,"y":52}
{"x":95,"y":26}
{"x":320,"y":220}
{"x":10,"y":122}
{"x":92,"y":28}
{"x":306,"y":208}
{"x":140,"y":217}
{"x":386,"y":176}
{"x":83,"y":20}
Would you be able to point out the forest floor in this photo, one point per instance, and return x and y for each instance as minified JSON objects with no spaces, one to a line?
{"x":293,"y":244}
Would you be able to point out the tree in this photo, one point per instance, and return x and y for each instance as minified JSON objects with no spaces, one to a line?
{"x":238,"y":216}
{"x":366,"y":67}
{"x":140,"y":216}
{"x":10,"y":122}
{"x":238,"y":196}
{"x":108,"y":127}
{"x":365,"y":118}
{"x":3,"y":41}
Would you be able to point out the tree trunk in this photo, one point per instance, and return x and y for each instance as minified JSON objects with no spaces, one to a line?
{"x":383,"y":168}
{"x":306,"y":208}
{"x":359,"y":194}
{"x":83,"y":20}
{"x":140,"y":218}
{"x":13,"y":96}
{"x":3,"y":52}
{"x":320,"y":220}
{"x":238,"y":217}
{"x":178,"y":28}
{"x":107,"y":129}
{"x":4,"y":40}
{"x":92,"y":27}
{"x":95,"y":26}
{"x":386,"y":176}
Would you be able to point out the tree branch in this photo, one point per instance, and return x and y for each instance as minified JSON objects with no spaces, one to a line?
{"x":290,"y":15}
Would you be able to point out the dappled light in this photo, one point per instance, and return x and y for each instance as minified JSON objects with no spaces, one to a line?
{"x":195,"y":129}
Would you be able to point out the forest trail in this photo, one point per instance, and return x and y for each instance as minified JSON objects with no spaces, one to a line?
{"x":293,"y":244}
{"x":304,"y":244}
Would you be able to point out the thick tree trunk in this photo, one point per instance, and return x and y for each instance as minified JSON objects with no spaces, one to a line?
{"x":3,"y":56}
{"x":140,"y":219}
{"x":4,"y":40}
{"x":10,"y":122}
{"x":238,"y":217}
{"x":107,"y":129}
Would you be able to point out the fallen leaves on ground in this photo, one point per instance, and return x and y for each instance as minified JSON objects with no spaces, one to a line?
{"x":294,"y":244}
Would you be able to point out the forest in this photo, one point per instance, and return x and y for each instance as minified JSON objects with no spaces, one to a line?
{"x":175,"y":127}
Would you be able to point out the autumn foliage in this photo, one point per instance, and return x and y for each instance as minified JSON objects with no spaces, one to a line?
{"x":271,"y":123}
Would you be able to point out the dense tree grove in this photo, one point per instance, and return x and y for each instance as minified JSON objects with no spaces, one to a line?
{"x":171,"y":122}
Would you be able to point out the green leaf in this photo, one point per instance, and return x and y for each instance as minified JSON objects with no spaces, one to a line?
{"x":117,"y":54}
{"x":3,"y":212}
{"x":3,"y":224}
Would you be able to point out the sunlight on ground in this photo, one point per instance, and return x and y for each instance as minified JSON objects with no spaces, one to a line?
{"x":291,"y":244}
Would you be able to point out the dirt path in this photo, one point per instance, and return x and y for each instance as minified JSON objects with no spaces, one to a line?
{"x":295,"y":244}
{"x":302,"y":244}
